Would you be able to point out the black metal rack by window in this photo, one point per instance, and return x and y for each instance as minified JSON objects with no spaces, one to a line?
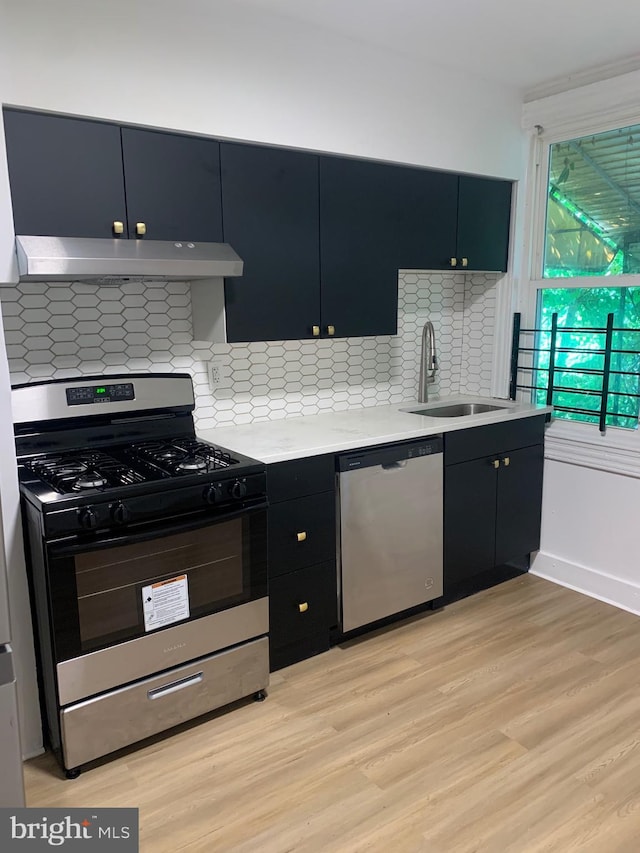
{"x":600,"y":366}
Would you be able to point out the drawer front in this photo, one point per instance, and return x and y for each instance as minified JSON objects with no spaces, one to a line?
{"x":289,"y":480}
{"x":475,"y":442}
{"x":301,"y":533}
{"x":301,"y":605}
{"x":150,"y":706}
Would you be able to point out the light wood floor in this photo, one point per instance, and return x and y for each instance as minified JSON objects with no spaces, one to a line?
{"x":507,"y":722}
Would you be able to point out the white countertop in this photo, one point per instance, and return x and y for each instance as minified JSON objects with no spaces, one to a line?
{"x":333,"y":432}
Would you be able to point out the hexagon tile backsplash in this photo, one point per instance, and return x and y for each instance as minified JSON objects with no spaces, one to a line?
{"x":55,"y":330}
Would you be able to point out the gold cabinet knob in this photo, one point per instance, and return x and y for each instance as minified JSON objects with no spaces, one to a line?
{"x":454,"y":262}
{"x":141,"y":229}
{"x":496,"y":463}
{"x":465,"y":262}
{"x":315,"y":331}
{"x":301,"y":536}
{"x":506,"y":461}
{"x":118,"y":227}
{"x":303,"y":606}
{"x":331,"y":330}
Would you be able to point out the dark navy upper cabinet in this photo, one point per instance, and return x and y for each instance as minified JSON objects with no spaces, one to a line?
{"x":65,"y":175}
{"x":376,"y":218}
{"x":270,"y":202}
{"x":484,"y":214}
{"x":173,"y":186}
{"x":322,"y":237}
{"x":75,"y":178}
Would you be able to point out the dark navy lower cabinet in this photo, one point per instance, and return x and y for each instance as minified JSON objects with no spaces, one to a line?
{"x":302,"y":559}
{"x":492,"y":502}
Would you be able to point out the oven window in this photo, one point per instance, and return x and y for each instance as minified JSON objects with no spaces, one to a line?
{"x":110,"y":583}
{"x":101,"y":595}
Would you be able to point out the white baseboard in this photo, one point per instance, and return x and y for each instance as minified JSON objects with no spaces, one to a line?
{"x":597,"y":584}
{"x":33,"y":753}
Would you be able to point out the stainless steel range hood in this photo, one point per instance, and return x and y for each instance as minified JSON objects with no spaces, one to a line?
{"x":113,"y":261}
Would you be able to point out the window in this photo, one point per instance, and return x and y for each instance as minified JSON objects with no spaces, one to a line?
{"x":591,"y":231}
{"x":593,"y":205}
{"x":580,"y":354}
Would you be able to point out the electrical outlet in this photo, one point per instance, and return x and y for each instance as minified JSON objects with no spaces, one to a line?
{"x":215,"y":371}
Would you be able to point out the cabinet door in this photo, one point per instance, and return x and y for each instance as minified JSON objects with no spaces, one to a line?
{"x":469,"y":519}
{"x":519,"y":503}
{"x":484,"y":213}
{"x":302,"y":533}
{"x":302,"y":611}
{"x":270,"y":203}
{"x":422,"y":217}
{"x":65,"y":175}
{"x":173,"y":185}
{"x":358,"y":254}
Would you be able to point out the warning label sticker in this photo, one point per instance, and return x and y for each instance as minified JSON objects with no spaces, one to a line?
{"x":165,"y":602}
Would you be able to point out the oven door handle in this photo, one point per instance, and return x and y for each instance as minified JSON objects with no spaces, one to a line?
{"x":157,"y":531}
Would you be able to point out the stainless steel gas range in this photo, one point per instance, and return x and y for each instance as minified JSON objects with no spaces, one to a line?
{"x":147,"y":558}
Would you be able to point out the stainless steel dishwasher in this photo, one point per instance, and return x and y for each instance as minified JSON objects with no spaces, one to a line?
{"x":390,"y":530}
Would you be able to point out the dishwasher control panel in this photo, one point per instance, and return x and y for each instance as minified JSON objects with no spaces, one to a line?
{"x":389,"y":453}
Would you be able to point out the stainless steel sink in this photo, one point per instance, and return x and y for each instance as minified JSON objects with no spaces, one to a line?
{"x":457,"y":410}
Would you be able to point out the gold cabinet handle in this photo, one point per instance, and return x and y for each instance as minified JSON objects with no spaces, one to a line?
{"x":141,"y":229}
{"x":495,"y":463}
{"x":118,"y":227}
{"x":303,"y":606}
{"x":454,"y":262}
{"x":331,"y":330}
{"x":301,"y":536}
{"x":315,"y":331}
{"x":465,"y":262}
{"x":506,"y":461}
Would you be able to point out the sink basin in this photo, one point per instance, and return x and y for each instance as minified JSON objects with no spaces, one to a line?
{"x":457,"y":410}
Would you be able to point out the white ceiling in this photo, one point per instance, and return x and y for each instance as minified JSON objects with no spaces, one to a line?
{"x":522,"y":44}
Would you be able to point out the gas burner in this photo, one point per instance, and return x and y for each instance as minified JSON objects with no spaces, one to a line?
{"x":195,"y":463}
{"x":91,"y":481}
{"x":168,"y":454}
{"x":69,"y":469}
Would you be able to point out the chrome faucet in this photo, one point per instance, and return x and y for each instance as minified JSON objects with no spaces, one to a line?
{"x":428,"y":362}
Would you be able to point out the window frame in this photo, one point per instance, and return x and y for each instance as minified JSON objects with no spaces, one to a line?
{"x":618,"y":450}
{"x":544,"y":141}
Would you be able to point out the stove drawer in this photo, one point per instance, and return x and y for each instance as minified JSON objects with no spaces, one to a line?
{"x":147,"y":707}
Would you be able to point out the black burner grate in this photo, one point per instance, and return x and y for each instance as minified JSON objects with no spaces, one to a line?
{"x":81,"y":471}
{"x":179,"y":456}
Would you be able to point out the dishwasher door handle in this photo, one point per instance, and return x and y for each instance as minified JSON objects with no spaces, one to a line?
{"x":391,"y":466}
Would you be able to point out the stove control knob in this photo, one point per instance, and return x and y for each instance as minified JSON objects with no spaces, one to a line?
{"x":120,"y":513}
{"x":238,"y":490}
{"x":87,"y":517}
{"x":213,"y":493}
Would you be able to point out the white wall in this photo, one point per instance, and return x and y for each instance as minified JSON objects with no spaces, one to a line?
{"x":21,"y":631}
{"x":212,"y":68}
{"x":590,"y":533}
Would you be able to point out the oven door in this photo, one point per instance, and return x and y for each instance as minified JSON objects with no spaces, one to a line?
{"x":112,"y":590}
